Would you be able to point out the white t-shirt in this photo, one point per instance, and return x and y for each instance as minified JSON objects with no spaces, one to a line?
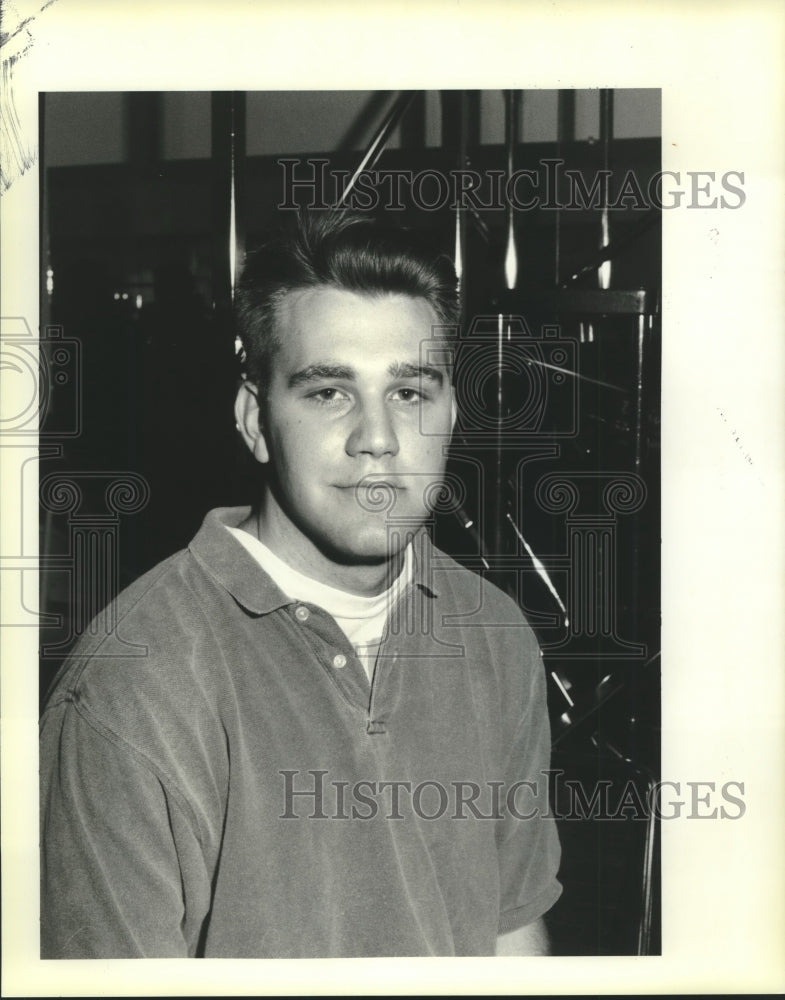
{"x":362,"y":619}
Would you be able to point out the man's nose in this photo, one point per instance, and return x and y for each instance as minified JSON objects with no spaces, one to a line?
{"x":373,"y":432}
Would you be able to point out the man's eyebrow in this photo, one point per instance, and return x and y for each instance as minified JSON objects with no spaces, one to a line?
{"x":399,"y":369}
{"x":407,"y":370}
{"x":319,"y":372}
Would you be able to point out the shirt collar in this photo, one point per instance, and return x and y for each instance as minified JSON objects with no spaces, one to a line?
{"x":227,"y":561}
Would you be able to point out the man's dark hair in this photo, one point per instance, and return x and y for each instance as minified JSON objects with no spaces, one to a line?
{"x":339,"y":250}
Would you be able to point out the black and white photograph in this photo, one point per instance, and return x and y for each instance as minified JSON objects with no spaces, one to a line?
{"x":482,"y":410}
{"x":350,"y":446}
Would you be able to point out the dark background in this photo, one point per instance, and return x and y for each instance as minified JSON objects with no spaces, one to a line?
{"x":136,"y":318}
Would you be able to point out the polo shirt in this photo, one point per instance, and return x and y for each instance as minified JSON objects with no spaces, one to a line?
{"x":220,"y":779}
{"x":361,"y":618}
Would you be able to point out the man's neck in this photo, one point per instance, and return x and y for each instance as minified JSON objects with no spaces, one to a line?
{"x":283,"y":539}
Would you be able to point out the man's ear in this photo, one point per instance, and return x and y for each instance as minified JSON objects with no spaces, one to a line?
{"x":453,"y":411}
{"x":247,"y":414}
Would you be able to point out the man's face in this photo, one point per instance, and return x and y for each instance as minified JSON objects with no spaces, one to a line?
{"x":352,"y":401}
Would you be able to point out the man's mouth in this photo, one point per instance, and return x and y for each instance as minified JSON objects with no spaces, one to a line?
{"x":368,"y":485}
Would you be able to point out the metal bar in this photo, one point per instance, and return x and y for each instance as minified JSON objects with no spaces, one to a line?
{"x":363,"y":121}
{"x":643,"y":944}
{"x":413,"y":124}
{"x":468,"y":525}
{"x":237,"y":197}
{"x":606,"y":125}
{"x":600,"y":302}
{"x":565,"y":133}
{"x":455,"y":125}
{"x":45,"y":298}
{"x":566,"y":115}
{"x":460,"y":216}
{"x":647,"y":893}
{"x":460,"y":127}
{"x":576,"y":375}
{"x":639,"y":374}
{"x":510,"y":277}
{"x":615,"y":247}
{"x":511,"y":109}
{"x":601,"y":698}
{"x":542,"y":572}
{"x":228,"y":155}
{"x":472,"y":112}
{"x":379,"y":141}
{"x":606,"y":138}
{"x":498,"y":498}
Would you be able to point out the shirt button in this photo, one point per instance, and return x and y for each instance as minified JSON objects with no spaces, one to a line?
{"x":301,"y":613}
{"x":339,"y":660}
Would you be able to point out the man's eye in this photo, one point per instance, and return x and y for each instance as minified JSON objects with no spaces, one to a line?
{"x":328,"y":395}
{"x":408,"y":395}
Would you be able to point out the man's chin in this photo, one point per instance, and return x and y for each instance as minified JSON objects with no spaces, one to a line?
{"x":367,"y":548}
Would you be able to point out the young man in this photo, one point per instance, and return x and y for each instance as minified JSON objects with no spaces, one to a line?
{"x":335,"y":743}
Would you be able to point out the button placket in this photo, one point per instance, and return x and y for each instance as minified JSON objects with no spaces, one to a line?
{"x":376,"y":724}
{"x":323,"y":641}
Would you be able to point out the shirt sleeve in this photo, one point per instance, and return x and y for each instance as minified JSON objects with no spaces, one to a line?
{"x":527,"y":839}
{"x":122,"y":872}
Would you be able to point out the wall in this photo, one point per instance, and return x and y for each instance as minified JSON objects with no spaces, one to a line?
{"x":91,"y":127}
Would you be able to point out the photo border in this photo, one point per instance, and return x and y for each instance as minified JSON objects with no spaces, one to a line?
{"x":719,"y":68}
